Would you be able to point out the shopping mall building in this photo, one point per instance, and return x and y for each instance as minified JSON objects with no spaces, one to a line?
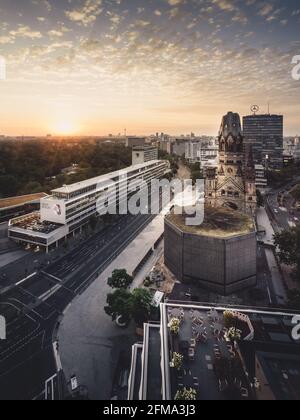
{"x":69,"y":208}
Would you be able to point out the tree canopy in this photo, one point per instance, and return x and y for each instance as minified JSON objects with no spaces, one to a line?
{"x":120,"y":279}
{"x":288,"y":242}
{"x":136,"y":305}
{"x":294,"y":299}
{"x":32,"y":166}
{"x":118,"y":304}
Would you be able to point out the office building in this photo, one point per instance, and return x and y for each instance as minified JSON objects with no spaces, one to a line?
{"x":265,"y":134}
{"x":142,"y":154}
{"x":135,"y":141}
{"x":71,"y":206}
{"x":198,"y":151}
{"x":190,"y":352}
{"x":193,"y":151}
{"x":177,"y":147}
{"x":260,"y":178}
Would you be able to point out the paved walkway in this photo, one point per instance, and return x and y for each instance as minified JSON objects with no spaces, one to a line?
{"x":89,"y":342}
{"x":268,"y":239}
{"x":263,"y":221}
{"x":277,"y":280}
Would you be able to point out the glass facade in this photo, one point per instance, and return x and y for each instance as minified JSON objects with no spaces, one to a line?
{"x":265,"y":134}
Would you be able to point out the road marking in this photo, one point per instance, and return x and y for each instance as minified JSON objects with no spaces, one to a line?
{"x":51,"y":276}
{"x":26,"y":278}
{"x":49,"y":293}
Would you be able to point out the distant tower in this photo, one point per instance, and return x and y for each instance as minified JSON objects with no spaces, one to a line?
{"x":233,"y":183}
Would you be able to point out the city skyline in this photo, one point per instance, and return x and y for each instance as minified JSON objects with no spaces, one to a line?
{"x":94,"y":67}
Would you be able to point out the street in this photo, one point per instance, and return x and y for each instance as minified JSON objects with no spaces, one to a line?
{"x":33,"y":308}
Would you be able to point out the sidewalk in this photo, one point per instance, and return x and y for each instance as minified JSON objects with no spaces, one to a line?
{"x":263,"y":221}
{"x":90,"y":343}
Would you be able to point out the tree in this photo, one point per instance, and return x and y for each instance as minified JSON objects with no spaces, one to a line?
{"x":140,"y":306}
{"x":8,"y":185}
{"x":118,"y":304}
{"x":294,"y":299}
{"x":136,"y":305}
{"x":120,"y":279}
{"x":288,"y":243}
{"x":32,"y":188}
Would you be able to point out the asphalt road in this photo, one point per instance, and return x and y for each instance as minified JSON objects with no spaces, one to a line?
{"x":282,"y":217}
{"x":32,"y":309}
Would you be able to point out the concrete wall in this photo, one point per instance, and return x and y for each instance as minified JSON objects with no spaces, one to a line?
{"x":174,"y":250}
{"x":221,"y":265}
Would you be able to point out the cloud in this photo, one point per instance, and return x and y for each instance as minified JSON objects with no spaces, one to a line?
{"x":86,"y":14}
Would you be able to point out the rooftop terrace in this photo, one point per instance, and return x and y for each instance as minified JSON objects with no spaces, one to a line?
{"x":265,"y":361}
{"x":32,"y":222}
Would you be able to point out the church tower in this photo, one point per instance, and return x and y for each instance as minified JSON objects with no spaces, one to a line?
{"x":233,"y":183}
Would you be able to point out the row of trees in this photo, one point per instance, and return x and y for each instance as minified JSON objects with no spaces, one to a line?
{"x":288,"y":243}
{"x":36,"y":166}
{"x":277,"y":178}
{"x":135,"y":305}
{"x":174,"y":166}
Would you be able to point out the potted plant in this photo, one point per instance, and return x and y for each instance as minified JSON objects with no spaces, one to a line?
{"x":174,"y":326}
{"x":229,"y":319}
{"x":186,"y":394}
{"x":177,"y":361}
{"x":233,"y":334}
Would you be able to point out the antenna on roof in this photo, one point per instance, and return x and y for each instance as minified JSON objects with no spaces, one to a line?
{"x":269,"y":108}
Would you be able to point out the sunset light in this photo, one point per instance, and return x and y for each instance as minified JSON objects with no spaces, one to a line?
{"x":149,"y":203}
{"x":65,"y":128}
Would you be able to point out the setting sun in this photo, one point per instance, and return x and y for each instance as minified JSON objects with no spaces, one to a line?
{"x":64,"y":128}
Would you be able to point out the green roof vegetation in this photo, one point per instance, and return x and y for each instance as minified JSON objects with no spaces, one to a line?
{"x":218,"y":222}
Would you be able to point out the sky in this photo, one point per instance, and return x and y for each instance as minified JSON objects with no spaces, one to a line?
{"x":94,"y":67}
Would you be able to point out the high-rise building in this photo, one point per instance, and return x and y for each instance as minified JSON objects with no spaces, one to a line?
{"x":265,"y":134}
{"x":135,"y":141}
{"x":142,"y":154}
{"x":193,"y":151}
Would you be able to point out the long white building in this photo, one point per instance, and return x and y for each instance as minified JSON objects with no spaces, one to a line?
{"x":68,"y":208}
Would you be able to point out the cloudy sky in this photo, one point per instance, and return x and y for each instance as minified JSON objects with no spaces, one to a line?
{"x":98,"y":66}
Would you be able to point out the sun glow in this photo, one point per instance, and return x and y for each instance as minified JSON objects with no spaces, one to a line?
{"x":65,"y":128}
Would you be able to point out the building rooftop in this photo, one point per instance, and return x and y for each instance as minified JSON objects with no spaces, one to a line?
{"x":32,"y":222}
{"x":20,"y":200}
{"x":68,"y":189}
{"x":263,"y":365}
{"x":218,"y":222}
